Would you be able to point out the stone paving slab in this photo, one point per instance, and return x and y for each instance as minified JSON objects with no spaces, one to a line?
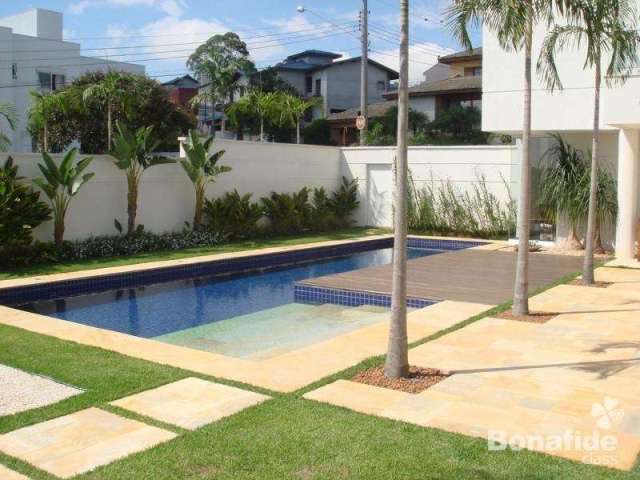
{"x":6,"y":474}
{"x":624,"y":263}
{"x":280,"y":373}
{"x":578,"y":374}
{"x":79,"y":442}
{"x":190,"y":403}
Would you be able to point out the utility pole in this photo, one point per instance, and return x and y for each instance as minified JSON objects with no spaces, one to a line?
{"x":364,"y":69}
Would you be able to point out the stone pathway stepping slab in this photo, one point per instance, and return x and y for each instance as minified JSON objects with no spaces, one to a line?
{"x":190,"y":403}
{"x":23,"y":391}
{"x":79,"y":442}
{"x":6,"y":474}
{"x":577,"y":375}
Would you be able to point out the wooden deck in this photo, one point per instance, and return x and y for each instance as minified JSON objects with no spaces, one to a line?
{"x":465,"y":275}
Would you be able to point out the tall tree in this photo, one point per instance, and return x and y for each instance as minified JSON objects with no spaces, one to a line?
{"x":44,"y":109}
{"x":512,"y":21}
{"x":108,"y":92}
{"x":606,"y":29}
{"x":219,"y":63}
{"x":397,"y":360}
{"x":8,"y":112}
{"x":134,"y":153}
{"x":294,"y":108}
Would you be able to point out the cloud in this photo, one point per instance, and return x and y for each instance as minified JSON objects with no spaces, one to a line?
{"x":422,"y":56}
{"x":169,"y":7}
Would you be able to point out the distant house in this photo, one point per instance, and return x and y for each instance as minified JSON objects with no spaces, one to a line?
{"x":455,"y":80}
{"x":182,"y":89}
{"x":315,"y":73}
{"x":36,"y":57}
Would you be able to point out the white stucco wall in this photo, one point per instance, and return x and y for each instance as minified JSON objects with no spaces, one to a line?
{"x":462,"y":165}
{"x":568,"y":110}
{"x":166,"y":194}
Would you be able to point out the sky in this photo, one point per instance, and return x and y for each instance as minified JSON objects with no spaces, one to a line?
{"x":160,"y":34}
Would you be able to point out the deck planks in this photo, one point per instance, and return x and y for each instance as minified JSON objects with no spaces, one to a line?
{"x":464,"y":275}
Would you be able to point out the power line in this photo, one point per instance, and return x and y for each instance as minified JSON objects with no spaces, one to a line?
{"x":107,"y":60}
{"x":246,"y":39}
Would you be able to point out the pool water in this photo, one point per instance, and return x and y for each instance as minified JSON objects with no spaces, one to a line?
{"x":246,"y":315}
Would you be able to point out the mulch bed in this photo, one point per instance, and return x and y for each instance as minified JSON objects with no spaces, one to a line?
{"x":533,"y":317}
{"x":579,"y":283}
{"x":419,"y":379}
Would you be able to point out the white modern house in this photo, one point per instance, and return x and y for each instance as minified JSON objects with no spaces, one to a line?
{"x":570,"y":113}
{"x":33,"y":55}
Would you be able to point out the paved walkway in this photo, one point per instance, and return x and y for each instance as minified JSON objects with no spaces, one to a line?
{"x":574,"y":379}
{"x":82,"y":441}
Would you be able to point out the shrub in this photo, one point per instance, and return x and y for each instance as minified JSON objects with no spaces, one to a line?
{"x":233,"y":216}
{"x":318,"y":132}
{"x":289,"y":214}
{"x":345,"y":202}
{"x":444,"y":210}
{"x":21,"y":209}
{"x":322,"y":212}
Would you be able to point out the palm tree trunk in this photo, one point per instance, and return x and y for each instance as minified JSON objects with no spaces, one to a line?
{"x":261,"y":128}
{"x":132,"y":203}
{"x":298,"y":132}
{"x":45,"y":137}
{"x":197,"y":215}
{"x":59,"y":212}
{"x":587,"y":269}
{"x":397,"y":360}
{"x":109,"y":126}
{"x":521,"y":288}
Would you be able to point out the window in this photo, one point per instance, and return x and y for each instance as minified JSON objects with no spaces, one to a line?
{"x":381,"y":86}
{"x":50,"y":81}
{"x":308,"y":84}
{"x":14,"y":71}
{"x":473,"y":71}
{"x":318,"y":87}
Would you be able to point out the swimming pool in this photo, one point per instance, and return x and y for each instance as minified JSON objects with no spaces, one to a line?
{"x":244,"y":307}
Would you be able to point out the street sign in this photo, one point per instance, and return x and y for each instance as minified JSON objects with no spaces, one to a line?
{"x":361,"y":122}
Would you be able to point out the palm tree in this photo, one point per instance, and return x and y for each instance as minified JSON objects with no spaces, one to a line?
{"x":60,"y":184}
{"x":512,"y":21}
{"x":607,"y":29}
{"x":562,"y":186}
{"x":202,"y":168}
{"x":109,"y":93}
{"x":397,"y":360}
{"x":294,"y":109}
{"x":45,"y":104}
{"x":8,"y":112}
{"x":133,"y":152}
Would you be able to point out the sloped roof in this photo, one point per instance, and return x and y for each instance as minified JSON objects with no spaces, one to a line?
{"x":314,"y":53}
{"x":463,"y":55}
{"x":375,"y":110}
{"x":448,"y":85}
{"x":185,"y":80}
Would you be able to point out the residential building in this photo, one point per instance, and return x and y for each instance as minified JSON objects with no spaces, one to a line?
{"x":570,"y":113}
{"x":35,"y":56}
{"x":455,"y":80}
{"x":182,"y":89}
{"x":315,"y":73}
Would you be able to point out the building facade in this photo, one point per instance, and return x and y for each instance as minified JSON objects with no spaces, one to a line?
{"x":569,"y":112}
{"x":34,"y":56}
{"x":314,"y":73}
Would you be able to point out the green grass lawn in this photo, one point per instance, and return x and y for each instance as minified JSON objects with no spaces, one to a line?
{"x":285,"y":438}
{"x":191,"y":252}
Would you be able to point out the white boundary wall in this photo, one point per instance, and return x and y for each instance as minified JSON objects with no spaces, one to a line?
{"x":166,"y":195}
{"x":462,"y":165}
{"x":166,"y":198}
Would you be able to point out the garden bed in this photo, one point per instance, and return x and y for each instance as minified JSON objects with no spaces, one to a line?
{"x":419,"y":379}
